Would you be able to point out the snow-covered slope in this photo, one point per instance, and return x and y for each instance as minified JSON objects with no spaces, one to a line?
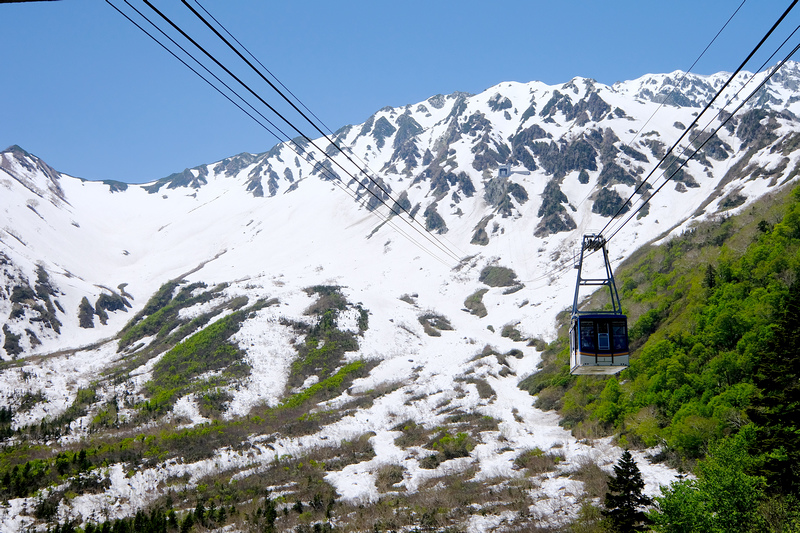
{"x":269,"y":226}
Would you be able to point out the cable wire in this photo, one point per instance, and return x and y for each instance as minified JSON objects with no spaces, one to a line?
{"x":707,"y":106}
{"x":712,"y":133}
{"x":291,"y":144}
{"x":196,"y":72}
{"x":262,"y":65}
{"x":425,"y":234}
{"x":277,"y":80}
{"x":560,"y":270}
{"x":675,"y":87}
{"x":727,"y":119}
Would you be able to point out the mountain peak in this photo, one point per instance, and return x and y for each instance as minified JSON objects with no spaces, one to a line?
{"x":33,"y":173}
{"x":328,"y":335}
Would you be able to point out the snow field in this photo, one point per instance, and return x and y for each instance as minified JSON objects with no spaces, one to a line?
{"x":275,"y":247}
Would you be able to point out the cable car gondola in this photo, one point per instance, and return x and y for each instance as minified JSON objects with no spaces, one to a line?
{"x":598,"y":339}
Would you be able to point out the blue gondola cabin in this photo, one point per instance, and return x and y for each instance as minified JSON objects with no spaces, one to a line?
{"x":598,"y":343}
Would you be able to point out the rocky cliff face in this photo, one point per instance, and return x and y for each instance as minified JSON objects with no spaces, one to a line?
{"x":532,"y":160}
{"x":364,"y":299}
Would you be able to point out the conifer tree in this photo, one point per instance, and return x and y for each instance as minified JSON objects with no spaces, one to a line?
{"x":200,"y":513}
{"x":777,"y":408}
{"x":624,"y":498}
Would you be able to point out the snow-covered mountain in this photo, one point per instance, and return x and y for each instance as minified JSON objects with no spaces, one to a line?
{"x":511,"y":178}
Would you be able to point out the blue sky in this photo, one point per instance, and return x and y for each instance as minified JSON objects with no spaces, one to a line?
{"x":94,"y":97}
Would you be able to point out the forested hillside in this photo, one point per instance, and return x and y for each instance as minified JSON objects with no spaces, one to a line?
{"x":713,"y":378}
{"x":281,"y":341}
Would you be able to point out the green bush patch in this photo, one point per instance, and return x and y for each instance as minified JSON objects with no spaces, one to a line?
{"x":497,"y":276}
{"x":160,"y":314}
{"x":434,"y":324}
{"x":207,"y":350}
{"x":325,"y":344}
{"x":474,"y":303}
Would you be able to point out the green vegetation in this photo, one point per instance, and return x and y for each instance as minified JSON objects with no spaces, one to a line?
{"x":25,"y":478}
{"x":511,"y":332}
{"x":535,"y":461}
{"x":624,"y":500}
{"x":497,"y":276}
{"x":413,"y":434}
{"x":236,"y":505}
{"x":107,"y":416}
{"x":205,"y":351}
{"x":324,"y":347}
{"x":699,"y":335}
{"x":410,"y":299}
{"x":714,"y":368}
{"x":433,"y":324}
{"x":190,"y":349}
{"x":331,"y":384}
{"x":212,"y":403}
{"x":26,"y":469}
{"x":726,"y":496}
{"x":160,"y":315}
{"x":474,"y":303}
{"x":388,"y":476}
{"x":452,"y":447}
{"x":55,"y":427}
{"x":208,"y":350}
{"x":6,"y":417}
{"x":329,"y":297}
{"x":29,"y":400}
{"x":485,"y":391}
{"x":447,"y":447}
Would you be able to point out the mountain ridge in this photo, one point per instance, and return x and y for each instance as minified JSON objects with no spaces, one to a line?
{"x":261,"y":247}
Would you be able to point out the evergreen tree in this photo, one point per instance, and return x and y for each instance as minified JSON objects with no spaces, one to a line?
{"x":264,"y":517}
{"x":139,"y":521}
{"x":200,"y":514}
{"x":624,"y":497}
{"x":187,"y":523}
{"x":270,"y":514}
{"x":777,"y":409}
{"x":172,"y":520}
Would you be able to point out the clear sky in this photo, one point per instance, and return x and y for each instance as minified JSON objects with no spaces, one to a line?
{"x":88,"y":92}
